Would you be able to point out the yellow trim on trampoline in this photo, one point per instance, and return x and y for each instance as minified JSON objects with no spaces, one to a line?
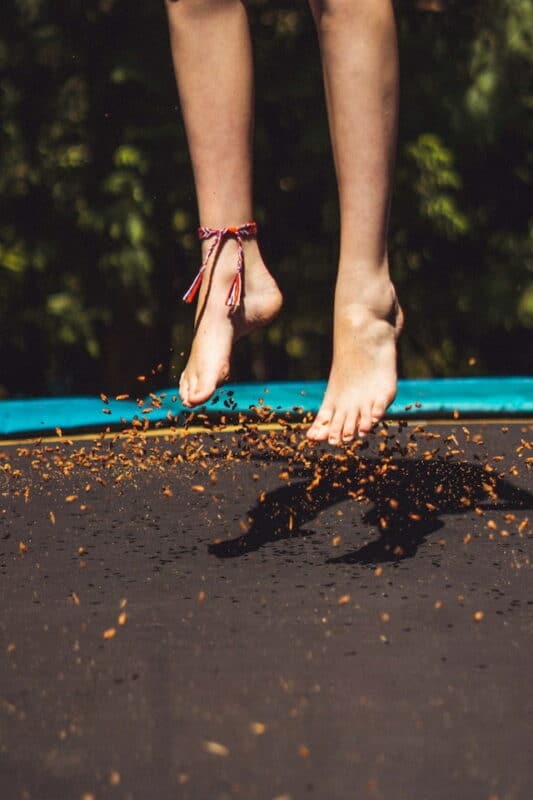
{"x":263,"y":427}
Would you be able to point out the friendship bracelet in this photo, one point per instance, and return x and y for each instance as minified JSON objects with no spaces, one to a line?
{"x":246,"y":231}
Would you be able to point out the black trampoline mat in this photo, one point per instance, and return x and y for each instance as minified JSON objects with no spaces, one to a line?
{"x":280,"y":622}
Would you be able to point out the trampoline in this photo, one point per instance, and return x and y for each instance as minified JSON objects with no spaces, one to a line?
{"x":209,"y":606}
{"x":423,"y":397}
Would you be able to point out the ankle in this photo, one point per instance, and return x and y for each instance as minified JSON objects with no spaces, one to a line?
{"x":363,"y":270}
{"x":358,"y":280}
{"x":371,"y":298}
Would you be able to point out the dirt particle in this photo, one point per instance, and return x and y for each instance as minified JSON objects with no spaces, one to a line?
{"x":343,"y":599}
{"x":114,"y":777}
{"x":258,"y":728}
{"x":216,"y":749}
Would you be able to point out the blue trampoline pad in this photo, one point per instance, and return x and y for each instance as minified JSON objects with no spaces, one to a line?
{"x":433,"y":397}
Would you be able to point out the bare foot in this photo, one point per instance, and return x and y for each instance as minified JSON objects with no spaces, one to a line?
{"x":362,"y":381}
{"x":218,"y":326}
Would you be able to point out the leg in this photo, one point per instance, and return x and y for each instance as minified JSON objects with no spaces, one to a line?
{"x":211,"y":51}
{"x":358,"y":46}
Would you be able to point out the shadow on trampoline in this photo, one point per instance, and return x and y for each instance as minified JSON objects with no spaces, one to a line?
{"x":409,"y":500}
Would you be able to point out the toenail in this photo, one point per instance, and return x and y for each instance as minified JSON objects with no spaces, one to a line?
{"x":333,"y":440}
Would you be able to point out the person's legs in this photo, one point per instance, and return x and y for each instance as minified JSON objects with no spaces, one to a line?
{"x":359,"y":55}
{"x":211,"y":51}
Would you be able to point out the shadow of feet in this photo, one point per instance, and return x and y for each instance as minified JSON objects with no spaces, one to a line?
{"x":409,"y":500}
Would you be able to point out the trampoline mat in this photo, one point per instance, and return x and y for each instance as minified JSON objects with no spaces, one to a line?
{"x":240,"y":615}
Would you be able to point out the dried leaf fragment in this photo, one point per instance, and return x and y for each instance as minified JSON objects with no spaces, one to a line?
{"x":23,"y":548}
{"x":109,"y":633}
{"x":523,"y":525}
{"x":343,"y":599}
{"x":477,"y":616}
{"x":71,"y":498}
{"x":216,"y":748}
{"x":258,"y":728}
{"x":114,"y":777}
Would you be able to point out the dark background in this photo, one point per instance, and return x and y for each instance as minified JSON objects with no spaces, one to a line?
{"x":98,"y":216}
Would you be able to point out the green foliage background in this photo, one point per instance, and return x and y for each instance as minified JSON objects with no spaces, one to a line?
{"x":98,"y":217}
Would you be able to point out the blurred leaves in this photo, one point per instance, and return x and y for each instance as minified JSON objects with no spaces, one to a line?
{"x":98,"y":217}
{"x":435,"y":182}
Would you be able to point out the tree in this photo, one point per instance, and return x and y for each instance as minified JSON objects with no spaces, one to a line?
{"x":97,"y":225}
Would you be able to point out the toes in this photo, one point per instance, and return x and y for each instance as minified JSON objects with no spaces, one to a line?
{"x":378,"y":410}
{"x":365,"y":421}
{"x":184,"y":390}
{"x":199,"y":390}
{"x":350,"y":425}
{"x":199,"y":394}
{"x":338,"y":425}
{"x":320,"y":427}
{"x":335,"y":429}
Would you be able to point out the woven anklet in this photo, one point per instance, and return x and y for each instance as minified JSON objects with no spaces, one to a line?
{"x":246,"y":231}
